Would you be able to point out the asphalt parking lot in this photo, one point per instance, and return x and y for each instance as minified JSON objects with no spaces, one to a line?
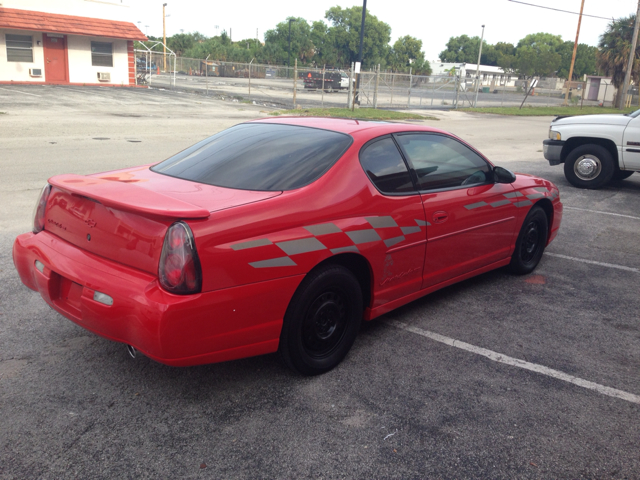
{"x":496,"y":377}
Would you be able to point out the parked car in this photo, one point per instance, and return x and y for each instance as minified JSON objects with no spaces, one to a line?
{"x":278,"y":234}
{"x":333,"y":80}
{"x":595,"y":149}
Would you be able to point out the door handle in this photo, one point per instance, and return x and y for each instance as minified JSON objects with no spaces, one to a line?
{"x":440,"y":217}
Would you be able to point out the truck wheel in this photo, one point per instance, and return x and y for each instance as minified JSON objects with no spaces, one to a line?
{"x":622,"y":174}
{"x":589,"y":166}
{"x":329,"y":89}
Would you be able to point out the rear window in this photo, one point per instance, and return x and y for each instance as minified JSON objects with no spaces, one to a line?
{"x":255,"y":156}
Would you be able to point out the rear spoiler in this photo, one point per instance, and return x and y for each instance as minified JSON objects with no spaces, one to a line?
{"x":128,"y":197}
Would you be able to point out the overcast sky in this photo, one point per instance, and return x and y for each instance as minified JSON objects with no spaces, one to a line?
{"x":432,"y":21}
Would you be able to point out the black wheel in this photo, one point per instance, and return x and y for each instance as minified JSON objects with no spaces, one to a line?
{"x":622,"y":174}
{"x":322,"y":320}
{"x":329,"y":89}
{"x":531,"y":242}
{"x":589,"y":166}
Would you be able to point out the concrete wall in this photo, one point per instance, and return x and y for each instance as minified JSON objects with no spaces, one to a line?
{"x":80,"y":68}
{"x":19,"y":71}
{"x":107,"y":9}
{"x":79,"y":60}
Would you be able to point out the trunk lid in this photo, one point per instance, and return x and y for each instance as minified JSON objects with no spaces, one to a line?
{"x":124,"y":215}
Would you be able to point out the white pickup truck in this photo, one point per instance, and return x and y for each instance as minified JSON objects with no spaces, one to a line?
{"x":595,"y":149}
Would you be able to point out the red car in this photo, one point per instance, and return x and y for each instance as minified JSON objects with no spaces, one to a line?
{"x":278,"y":234}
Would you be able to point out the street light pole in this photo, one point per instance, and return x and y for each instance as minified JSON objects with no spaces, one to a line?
{"x":289,"y":52}
{"x":475,"y":104}
{"x":164,"y":36}
{"x":364,"y":13}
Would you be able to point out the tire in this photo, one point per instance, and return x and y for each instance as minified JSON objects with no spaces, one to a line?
{"x":589,"y":166}
{"x":329,"y":89}
{"x":622,"y":174}
{"x":531,"y":242}
{"x":322,"y":320}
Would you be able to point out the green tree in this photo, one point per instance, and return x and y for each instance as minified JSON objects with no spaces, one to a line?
{"x":344,"y":35}
{"x":536,"y":55}
{"x":585,"y":60}
{"x":180,"y":43}
{"x":407,"y":53}
{"x":464,"y":49}
{"x":301,"y":46}
{"x":613,"y":51}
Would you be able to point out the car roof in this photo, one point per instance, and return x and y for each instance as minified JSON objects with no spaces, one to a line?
{"x":349,"y":125}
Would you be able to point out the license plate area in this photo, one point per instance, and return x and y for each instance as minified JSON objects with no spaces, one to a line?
{"x":68,"y":296}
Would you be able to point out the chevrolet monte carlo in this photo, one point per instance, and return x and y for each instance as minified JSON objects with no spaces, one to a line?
{"x":279,"y":234}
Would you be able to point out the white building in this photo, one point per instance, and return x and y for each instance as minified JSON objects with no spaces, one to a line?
{"x":41,"y":43}
{"x":489,"y":76}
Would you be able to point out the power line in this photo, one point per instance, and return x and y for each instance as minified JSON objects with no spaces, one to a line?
{"x":558,"y":10}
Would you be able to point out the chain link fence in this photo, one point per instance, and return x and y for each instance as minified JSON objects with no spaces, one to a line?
{"x":304,"y":87}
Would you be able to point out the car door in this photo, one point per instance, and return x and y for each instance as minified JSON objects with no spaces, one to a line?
{"x":471,"y":220}
{"x":396,"y":215}
{"x":631,"y":145}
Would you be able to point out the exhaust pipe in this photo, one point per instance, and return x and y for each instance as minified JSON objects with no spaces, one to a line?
{"x":132,"y":351}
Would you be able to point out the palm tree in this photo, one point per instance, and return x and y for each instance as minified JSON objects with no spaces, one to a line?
{"x":613,"y":51}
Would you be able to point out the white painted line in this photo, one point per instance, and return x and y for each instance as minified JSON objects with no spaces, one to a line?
{"x":18,"y":91}
{"x":593,"y":262}
{"x":516,"y":362}
{"x":603,"y":213}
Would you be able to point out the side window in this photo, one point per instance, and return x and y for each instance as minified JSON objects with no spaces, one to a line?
{"x":385,"y":167}
{"x":101,"y":54}
{"x":19,"y":48}
{"x":442,"y":162}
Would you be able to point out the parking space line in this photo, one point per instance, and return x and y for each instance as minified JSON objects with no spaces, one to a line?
{"x":593,"y":262}
{"x":18,"y":91}
{"x":516,"y":362}
{"x":603,"y":213}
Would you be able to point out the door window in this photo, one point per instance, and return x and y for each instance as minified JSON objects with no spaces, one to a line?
{"x":441,"y":162}
{"x":386,"y":167}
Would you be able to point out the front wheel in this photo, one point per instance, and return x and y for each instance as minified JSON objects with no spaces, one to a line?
{"x":322,"y":320}
{"x":589,"y":166}
{"x":531,"y":242}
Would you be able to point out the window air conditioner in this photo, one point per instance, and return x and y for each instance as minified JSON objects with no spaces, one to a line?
{"x":104,"y":77}
{"x":35,"y":72}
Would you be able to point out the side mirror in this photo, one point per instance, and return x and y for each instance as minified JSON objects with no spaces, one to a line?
{"x":502,"y":175}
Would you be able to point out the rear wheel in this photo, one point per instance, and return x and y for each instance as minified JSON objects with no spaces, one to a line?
{"x":589,"y":166}
{"x":531,"y":242}
{"x":322,"y":320}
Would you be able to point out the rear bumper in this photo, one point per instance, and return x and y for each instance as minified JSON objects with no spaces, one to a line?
{"x":172,"y":329}
{"x":553,"y":151}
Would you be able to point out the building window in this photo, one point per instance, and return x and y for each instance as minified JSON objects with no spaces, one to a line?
{"x":101,"y":54}
{"x":20,"y":48}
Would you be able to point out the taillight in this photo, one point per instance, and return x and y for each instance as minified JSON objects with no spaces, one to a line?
{"x":38,"y":212}
{"x":179,"y":270}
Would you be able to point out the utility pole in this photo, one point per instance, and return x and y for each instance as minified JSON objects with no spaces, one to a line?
{"x":289,"y":52}
{"x":364,"y":13}
{"x":622,"y":98}
{"x":573,"y":57}
{"x":475,"y":104}
{"x":164,"y":36}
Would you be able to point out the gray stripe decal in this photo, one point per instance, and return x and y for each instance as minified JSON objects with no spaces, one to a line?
{"x":409,"y":230}
{"x":390,"y":242}
{"x":541,"y":189}
{"x":421,"y":223}
{"x":500,"y":203}
{"x":475,"y":205}
{"x":523,"y":203}
{"x":304,"y":245}
{"x":381,"y":222}
{"x":535,"y":195}
{"x":513,"y":194}
{"x":351,"y":248}
{"x":274,"y":262}
{"x":363,"y":236}
{"x":252,"y":244}
{"x":323,"y":229}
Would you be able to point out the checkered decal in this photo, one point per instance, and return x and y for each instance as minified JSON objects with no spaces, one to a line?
{"x":383,"y":229}
{"x":520,"y":199}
